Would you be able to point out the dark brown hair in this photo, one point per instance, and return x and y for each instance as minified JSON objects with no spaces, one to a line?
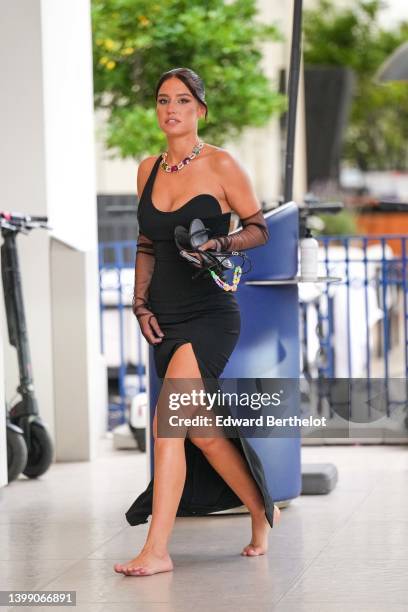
{"x":190,"y":79}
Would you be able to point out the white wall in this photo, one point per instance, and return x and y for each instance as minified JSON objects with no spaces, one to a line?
{"x":394,"y":12}
{"x":47,"y":161}
{"x":114,"y":176}
{"x":23,"y":180}
{"x":69,"y":120}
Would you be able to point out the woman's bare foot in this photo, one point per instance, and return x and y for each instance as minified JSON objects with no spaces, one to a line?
{"x":260,"y":531}
{"x":146,"y":563}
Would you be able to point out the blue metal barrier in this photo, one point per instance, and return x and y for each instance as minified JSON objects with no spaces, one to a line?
{"x":125,"y":360}
{"x":359,"y":325}
{"x":361,"y":321}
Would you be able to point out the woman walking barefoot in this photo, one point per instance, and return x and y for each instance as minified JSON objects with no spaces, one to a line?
{"x":192,"y":324}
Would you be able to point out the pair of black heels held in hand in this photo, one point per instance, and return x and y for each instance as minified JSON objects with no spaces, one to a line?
{"x":189,"y":240}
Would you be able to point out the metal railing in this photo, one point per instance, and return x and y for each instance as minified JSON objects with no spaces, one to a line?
{"x":361,"y":321}
{"x":355,"y":328}
{"x":124,"y":347}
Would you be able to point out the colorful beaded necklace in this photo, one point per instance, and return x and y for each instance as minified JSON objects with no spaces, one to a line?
{"x":223,"y":284}
{"x":167,"y":168}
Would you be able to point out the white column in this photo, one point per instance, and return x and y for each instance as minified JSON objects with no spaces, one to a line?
{"x":47,"y":161}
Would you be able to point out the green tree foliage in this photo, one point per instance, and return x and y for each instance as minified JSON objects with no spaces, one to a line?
{"x":342,"y":223}
{"x":377,"y":134}
{"x":135,"y":41}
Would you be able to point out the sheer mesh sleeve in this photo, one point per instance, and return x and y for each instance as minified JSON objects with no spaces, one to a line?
{"x":144,"y":264}
{"x":254,"y":233}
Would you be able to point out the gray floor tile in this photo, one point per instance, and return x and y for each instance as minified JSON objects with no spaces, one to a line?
{"x":140,"y":607}
{"x":29,"y":574}
{"x":385,"y":503}
{"x":336,"y":552}
{"x":364,"y":540}
{"x":93,"y":607}
{"x":301,"y":606}
{"x":197,"y":578}
{"x":352,"y":582}
{"x":53,"y":540}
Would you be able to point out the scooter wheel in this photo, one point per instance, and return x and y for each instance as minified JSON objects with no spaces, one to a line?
{"x":16,"y":454}
{"x":41,"y":452}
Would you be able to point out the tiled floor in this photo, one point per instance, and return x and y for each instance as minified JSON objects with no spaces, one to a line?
{"x":346,"y":551}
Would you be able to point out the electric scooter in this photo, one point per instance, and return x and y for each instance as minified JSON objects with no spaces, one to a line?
{"x":30,"y":448}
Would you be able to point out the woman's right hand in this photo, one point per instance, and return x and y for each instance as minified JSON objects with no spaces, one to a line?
{"x":149,"y":327}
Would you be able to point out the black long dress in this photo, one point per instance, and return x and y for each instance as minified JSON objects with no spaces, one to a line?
{"x":202,"y":313}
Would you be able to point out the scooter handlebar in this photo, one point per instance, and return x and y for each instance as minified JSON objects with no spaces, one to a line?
{"x":15,"y":216}
{"x":21,"y":221}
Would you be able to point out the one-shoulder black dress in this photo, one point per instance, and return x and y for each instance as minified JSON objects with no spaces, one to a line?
{"x":199,"y":312}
